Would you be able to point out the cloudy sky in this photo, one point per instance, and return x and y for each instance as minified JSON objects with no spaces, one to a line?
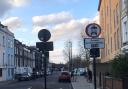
{"x":65,"y":19}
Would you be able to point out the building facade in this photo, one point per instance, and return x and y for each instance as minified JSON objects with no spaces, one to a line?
{"x":109,"y":11}
{"x":6,"y":54}
{"x":24,"y":58}
{"x":124,"y":24}
{"x":38,"y":59}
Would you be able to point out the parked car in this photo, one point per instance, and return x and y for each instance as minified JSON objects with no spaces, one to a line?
{"x":79,"y":71}
{"x":49,"y":72}
{"x":64,"y":76}
{"x":25,"y":76}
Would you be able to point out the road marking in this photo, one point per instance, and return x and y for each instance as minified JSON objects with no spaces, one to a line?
{"x":61,"y":88}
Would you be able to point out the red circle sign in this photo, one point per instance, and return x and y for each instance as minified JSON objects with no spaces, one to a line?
{"x":93,"y":30}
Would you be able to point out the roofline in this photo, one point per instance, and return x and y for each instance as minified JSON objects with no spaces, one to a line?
{"x":99,"y":5}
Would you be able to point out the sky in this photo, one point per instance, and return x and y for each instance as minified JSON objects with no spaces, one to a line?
{"x":65,"y":19}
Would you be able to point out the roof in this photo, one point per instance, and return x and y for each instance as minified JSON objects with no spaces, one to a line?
{"x":99,"y":5}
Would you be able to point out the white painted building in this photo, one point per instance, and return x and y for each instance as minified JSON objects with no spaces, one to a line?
{"x":124,"y":24}
{"x":6,"y":53}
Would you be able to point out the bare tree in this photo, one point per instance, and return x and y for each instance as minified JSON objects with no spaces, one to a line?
{"x":83,"y":52}
{"x":68,"y":53}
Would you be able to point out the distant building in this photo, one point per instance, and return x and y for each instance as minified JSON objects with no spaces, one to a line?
{"x":24,"y":58}
{"x":6,"y":53}
{"x":38,"y":59}
{"x":124,"y":24}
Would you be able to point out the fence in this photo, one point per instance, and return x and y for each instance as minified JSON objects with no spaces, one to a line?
{"x":113,"y":83}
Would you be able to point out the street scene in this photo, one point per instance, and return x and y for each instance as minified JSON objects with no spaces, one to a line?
{"x":64,"y":44}
{"x":52,"y":83}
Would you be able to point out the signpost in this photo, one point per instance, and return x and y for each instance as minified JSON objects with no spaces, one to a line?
{"x":93,"y":30}
{"x":44,"y":46}
{"x":94,"y":43}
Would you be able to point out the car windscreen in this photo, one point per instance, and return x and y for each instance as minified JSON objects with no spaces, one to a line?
{"x":64,"y":73}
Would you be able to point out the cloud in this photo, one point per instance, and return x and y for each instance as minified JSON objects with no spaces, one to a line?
{"x":62,"y":28}
{"x":70,"y":30}
{"x":26,"y":42}
{"x":13,"y":23}
{"x":52,"y":19}
{"x":5,"y":6}
{"x":19,"y":3}
{"x":66,"y":1}
{"x":60,"y":25}
{"x":96,"y":19}
{"x":60,"y":2}
{"x":56,"y":56}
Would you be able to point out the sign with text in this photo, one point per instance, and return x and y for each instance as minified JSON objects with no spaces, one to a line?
{"x":94,"y":43}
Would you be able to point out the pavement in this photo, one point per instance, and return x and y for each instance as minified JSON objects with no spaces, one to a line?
{"x":7,"y":82}
{"x":81,"y":83}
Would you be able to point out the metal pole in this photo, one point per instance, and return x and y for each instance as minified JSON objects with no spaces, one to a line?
{"x":45,"y":71}
{"x":69,"y":49}
{"x":94,"y":71}
{"x":71,"y":58}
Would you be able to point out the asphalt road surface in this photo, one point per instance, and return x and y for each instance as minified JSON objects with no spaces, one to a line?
{"x":52,"y":83}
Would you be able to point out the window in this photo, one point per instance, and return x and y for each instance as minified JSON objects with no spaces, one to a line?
{"x":12,"y":71}
{"x":107,"y":10}
{"x":106,"y":50}
{"x":123,"y":4}
{"x":111,"y":44}
{"x":12,"y":60}
{"x":124,"y":31}
{"x":11,"y":44}
{"x":115,"y":40}
{"x":3,"y":41}
{"x":125,"y":27}
{"x":15,"y":50}
{"x":9,"y":59}
{"x":8,"y":43}
{"x":118,"y":39}
{"x":0,"y":72}
{"x":8,"y":72}
{"x":114,"y":18}
{"x":3,"y":58}
{"x":117,"y":14}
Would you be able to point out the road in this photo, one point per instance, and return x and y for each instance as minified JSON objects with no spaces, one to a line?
{"x":52,"y":83}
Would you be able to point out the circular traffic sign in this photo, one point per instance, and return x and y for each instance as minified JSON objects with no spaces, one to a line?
{"x":44,"y":35}
{"x":93,"y":30}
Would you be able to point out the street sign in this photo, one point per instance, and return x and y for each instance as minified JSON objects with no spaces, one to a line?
{"x":45,"y":46}
{"x":95,"y":52}
{"x":93,"y":30}
{"x":94,"y":43}
{"x":44,"y":35}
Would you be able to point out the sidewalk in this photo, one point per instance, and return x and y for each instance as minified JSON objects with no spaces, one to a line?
{"x":81,"y":83}
{"x":7,"y":82}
